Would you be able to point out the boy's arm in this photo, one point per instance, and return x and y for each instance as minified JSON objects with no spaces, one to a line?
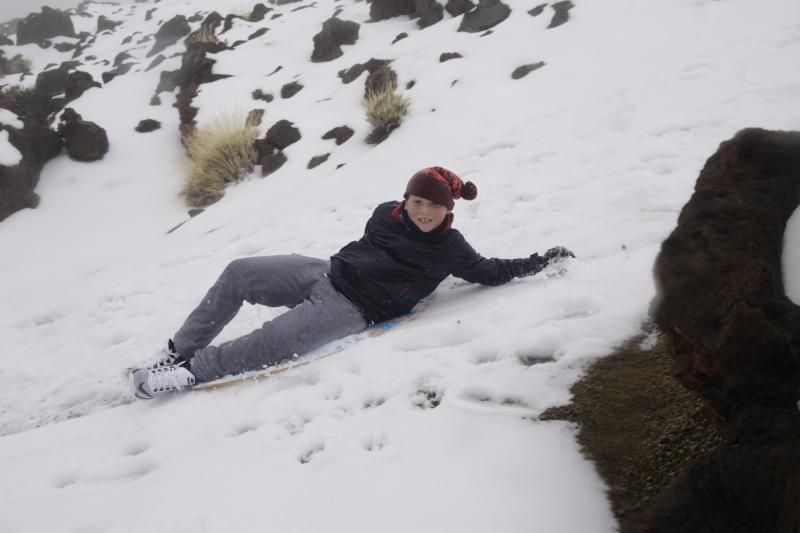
{"x":474,"y":268}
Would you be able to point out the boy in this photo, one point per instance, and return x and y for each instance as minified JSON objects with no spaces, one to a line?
{"x":408,"y":248}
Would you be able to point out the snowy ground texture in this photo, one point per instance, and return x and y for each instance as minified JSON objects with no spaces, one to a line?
{"x":433,"y":427}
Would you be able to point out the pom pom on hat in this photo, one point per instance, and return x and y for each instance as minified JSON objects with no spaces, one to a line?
{"x":441,"y":186}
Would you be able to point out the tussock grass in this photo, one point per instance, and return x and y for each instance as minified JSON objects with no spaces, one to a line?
{"x":15,"y":65}
{"x":385,"y":110}
{"x":219,"y":154}
{"x":204,"y":35}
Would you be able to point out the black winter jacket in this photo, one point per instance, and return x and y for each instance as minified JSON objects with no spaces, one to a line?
{"x":395,"y":264}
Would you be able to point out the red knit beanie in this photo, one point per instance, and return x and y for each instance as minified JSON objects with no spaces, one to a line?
{"x":440,"y":186}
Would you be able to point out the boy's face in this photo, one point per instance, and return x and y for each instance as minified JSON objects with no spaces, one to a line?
{"x":426,"y":215}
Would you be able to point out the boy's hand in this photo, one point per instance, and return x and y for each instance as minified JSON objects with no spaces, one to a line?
{"x":533,"y":264}
{"x":558,"y":252}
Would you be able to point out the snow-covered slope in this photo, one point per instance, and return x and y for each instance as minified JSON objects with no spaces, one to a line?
{"x":433,"y":427}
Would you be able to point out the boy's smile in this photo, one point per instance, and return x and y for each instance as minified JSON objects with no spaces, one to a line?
{"x":426,"y":215}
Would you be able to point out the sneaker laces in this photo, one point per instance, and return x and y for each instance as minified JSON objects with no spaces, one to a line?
{"x":169,"y":378}
{"x":164,"y":357}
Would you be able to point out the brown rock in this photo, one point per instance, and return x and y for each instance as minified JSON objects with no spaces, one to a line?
{"x":561,"y":15}
{"x":40,"y":27}
{"x":458,"y":7}
{"x":488,"y":14}
{"x":317,"y":160}
{"x":282,"y":134}
{"x":272,"y":163}
{"x":84,"y":140}
{"x":170,"y":33}
{"x":147,"y":125}
{"x":524,"y":70}
{"x":290,"y":89}
{"x":328,"y":42}
{"x":386,"y":9}
{"x":341,"y":134}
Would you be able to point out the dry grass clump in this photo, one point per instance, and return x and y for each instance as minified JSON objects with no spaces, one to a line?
{"x":206,"y":34}
{"x":385,"y":110}
{"x":15,"y":65}
{"x":219,"y":154}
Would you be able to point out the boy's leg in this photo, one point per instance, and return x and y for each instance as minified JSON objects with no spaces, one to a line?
{"x":324,"y":317}
{"x":276,"y":281}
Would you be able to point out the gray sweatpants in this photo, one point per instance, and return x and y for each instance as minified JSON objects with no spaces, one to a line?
{"x":318,"y":315}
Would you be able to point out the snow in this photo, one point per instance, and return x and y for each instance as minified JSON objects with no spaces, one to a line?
{"x":9,"y":155}
{"x":597,"y":151}
{"x":10,"y":119}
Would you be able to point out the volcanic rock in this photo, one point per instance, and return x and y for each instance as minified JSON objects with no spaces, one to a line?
{"x":147,"y":125}
{"x":561,"y":15}
{"x":341,"y":134}
{"x":458,"y":7}
{"x":317,"y":160}
{"x":735,"y":340}
{"x":524,"y":70}
{"x":78,"y":82}
{"x":170,"y":33}
{"x":488,"y":14}
{"x":104,"y":24}
{"x":271,"y":163}
{"x":328,"y":42}
{"x":386,"y":9}
{"x":282,"y":134}
{"x":39,"y":27}
{"x":84,"y":140}
{"x":429,"y":12}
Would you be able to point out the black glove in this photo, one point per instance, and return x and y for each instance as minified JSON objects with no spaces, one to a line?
{"x":535,"y":263}
{"x":557,"y":252}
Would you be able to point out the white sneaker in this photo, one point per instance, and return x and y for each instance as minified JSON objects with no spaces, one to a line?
{"x":148,"y":383}
{"x":164,"y":357}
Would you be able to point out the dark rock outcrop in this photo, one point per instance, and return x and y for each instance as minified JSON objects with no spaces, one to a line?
{"x":104,"y":24}
{"x":78,"y":82}
{"x":386,"y":9}
{"x":147,"y":125}
{"x":735,"y":340}
{"x":317,"y":160}
{"x":52,"y":82}
{"x":258,"y":13}
{"x":328,"y":42}
{"x":258,"y":33}
{"x":258,"y":94}
{"x":356,"y":70}
{"x":538,"y":10}
{"x":524,"y":70}
{"x":271,"y":163}
{"x":447,"y":56}
{"x":400,"y":37}
{"x":196,"y":69}
{"x":282,"y":134}
{"x":341,"y":134}
{"x":561,"y":15}
{"x":5,"y":40}
{"x":170,"y":33}
{"x":119,"y":71}
{"x":84,"y":140}
{"x":458,"y":7}
{"x":290,"y":89}
{"x":40,"y":27}
{"x":429,"y":12}
{"x":35,"y":141}
{"x":488,"y":14}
